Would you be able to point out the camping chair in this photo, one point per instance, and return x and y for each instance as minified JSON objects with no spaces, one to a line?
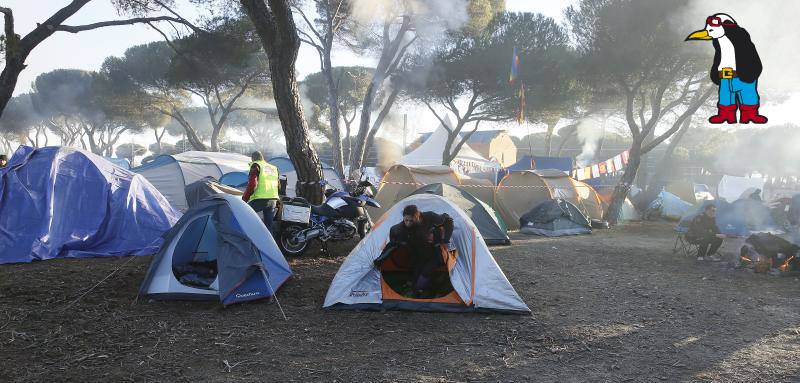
{"x":683,"y":246}
{"x":686,"y":247}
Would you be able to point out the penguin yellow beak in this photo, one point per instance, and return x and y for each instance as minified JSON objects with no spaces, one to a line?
{"x":699,"y":35}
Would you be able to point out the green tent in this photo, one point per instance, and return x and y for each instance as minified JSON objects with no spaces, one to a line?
{"x":491,"y":226}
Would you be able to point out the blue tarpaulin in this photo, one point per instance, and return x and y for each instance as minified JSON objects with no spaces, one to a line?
{"x":532,"y":162}
{"x":58,"y":202}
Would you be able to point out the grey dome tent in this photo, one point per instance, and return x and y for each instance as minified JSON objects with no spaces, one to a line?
{"x":171,"y":173}
{"x":477,"y":283}
{"x":555,"y":218}
{"x":489,"y":223}
{"x":219,"y":249}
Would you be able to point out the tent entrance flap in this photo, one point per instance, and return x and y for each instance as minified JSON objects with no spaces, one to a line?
{"x":194,"y":260}
{"x":396,"y":274}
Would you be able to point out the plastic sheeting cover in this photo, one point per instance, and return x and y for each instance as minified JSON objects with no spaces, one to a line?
{"x":64,"y":202}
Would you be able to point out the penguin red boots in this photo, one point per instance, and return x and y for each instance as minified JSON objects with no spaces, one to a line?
{"x":750,"y":114}
{"x":726,"y":113}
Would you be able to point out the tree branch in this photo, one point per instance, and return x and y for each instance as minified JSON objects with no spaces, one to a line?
{"x":696,"y":104}
{"x":111,"y":23}
{"x":437,"y":117}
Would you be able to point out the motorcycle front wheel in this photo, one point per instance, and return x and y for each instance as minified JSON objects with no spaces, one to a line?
{"x":288,"y":243}
{"x":364,"y":227}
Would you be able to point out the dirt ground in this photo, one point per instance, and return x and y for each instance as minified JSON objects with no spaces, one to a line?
{"x":615,"y":306}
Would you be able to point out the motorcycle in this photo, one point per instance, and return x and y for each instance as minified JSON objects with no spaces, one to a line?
{"x":339,"y":218}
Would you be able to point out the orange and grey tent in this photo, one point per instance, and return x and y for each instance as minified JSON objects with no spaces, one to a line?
{"x":473,"y":280}
{"x":520,"y":191}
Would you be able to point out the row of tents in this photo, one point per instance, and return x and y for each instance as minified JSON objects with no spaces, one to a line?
{"x":65,"y":202}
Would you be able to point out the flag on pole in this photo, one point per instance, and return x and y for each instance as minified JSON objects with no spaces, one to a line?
{"x":521,"y":113}
{"x":514,"y":67}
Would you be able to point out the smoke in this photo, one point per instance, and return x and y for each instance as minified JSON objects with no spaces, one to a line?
{"x":449,"y":14}
{"x":772,"y":25}
{"x":772,"y":151}
{"x":389,"y":146}
{"x":590,"y":132}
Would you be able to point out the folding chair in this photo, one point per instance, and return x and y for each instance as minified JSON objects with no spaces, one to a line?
{"x":683,"y":247}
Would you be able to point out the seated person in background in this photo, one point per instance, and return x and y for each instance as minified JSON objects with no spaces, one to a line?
{"x":422,"y":233}
{"x":756,"y":195}
{"x":703,"y":231}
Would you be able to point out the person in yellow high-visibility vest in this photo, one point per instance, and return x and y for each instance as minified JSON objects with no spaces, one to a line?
{"x":262,"y":188}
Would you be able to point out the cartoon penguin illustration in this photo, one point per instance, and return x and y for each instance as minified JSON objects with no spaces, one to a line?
{"x":736,"y":69}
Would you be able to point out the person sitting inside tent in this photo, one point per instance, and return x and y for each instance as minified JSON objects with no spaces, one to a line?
{"x":3,"y":160}
{"x":262,"y":188}
{"x":422,"y":233}
{"x":703,"y":232}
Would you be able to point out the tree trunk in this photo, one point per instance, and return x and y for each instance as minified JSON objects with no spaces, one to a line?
{"x":551,"y":123}
{"x":333,"y":107}
{"x":215,"y":137}
{"x":357,"y":154}
{"x":159,"y":137}
{"x":8,"y":82}
{"x":548,"y":140}
{"x":191,"y":135}
{"x":278,"y":33}
{"x":623,"y":187}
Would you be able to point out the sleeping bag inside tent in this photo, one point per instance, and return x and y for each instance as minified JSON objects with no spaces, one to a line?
{"x":489,"y":223}
{"x":469,"y":279}
{"x":555,"y":218}
{"x":61,"y":202}
{"x":219,"y":249}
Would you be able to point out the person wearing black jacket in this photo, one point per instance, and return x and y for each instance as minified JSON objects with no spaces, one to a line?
{"x":422,"y":233}
{"x":704,"y":232}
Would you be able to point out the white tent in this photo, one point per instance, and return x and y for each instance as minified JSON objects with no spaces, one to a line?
{"x":732,"y":187}
{"x":476,"y":279}
{"x":430,"y":153}
{"x":171,"y":173}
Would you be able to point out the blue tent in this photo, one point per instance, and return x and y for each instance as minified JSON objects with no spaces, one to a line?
{"x":533,"y":162}
{"x":121,"y":162}
{"x":219,"y":249}
{"x":58,"y":202}
{"x":739,"y":218}
{"x":234,"y":179}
